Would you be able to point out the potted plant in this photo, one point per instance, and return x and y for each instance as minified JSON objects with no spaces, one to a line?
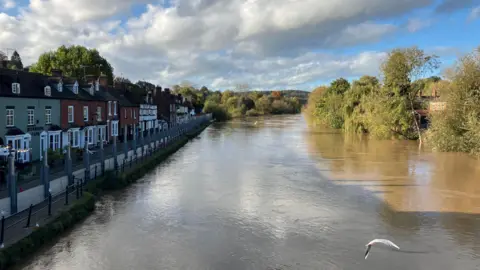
{"x":53,"y":156}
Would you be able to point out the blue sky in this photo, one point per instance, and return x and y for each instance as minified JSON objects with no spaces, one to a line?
{"x":269,"y":44}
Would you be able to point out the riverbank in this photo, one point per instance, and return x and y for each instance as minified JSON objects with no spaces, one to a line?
{"x":81,"y":208}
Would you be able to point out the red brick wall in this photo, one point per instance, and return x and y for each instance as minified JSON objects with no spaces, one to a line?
{"x":128,"y":119}
{"x":78,"y":111}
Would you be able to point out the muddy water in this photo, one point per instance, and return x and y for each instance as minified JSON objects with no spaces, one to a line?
{"x":279,"y":194}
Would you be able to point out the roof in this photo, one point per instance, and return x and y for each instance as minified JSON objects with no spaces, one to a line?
{"x":32,"y":85}
{"x":122,"y":99}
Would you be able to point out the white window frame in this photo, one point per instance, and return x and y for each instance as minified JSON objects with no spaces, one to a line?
{"x":16,"y":88}
{"x":134,"y":114}
{"x":85,"y":113}
{"x":48,"y":116}
{"x":99,"y":113}
{"x":48,"y":91}
{"x":114,"y":129}
{"x":30,"y":117}
{"x":75,"y":87}
{"x":110,"y":108}
{"x":74,"y":139}
{"x":10,"y":115}
{"x":90,"y":135}
{"x":71,"y":114}
{"x":114,"y":108}
{"x":60,"y":86}
{"x":55,"y":135}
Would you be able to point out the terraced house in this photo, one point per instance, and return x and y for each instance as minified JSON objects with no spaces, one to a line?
{"x":89,"y":113}
{"x":31,"y":109}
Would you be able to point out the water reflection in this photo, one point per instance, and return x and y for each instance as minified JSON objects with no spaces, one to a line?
{"x":407,"y":178}
{"x":278,"y":195}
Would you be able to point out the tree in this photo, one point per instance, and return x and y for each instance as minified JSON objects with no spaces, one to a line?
{"x":401,"y":67}
{"x":74,"y":61}
{"x":145,"y":85}
{"x":457,"y":128}
{"x":3,"y":58}
{"x":276,"y":94}
{"x":15,"y":61}
{"x":339,"y":86}
{"x":121,"y":80}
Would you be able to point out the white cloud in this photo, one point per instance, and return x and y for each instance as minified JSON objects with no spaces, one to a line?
{"x":267,"y":43}
{"x":415,"y":25}
{"x":8,"y":4}
{"x":474,"y":13}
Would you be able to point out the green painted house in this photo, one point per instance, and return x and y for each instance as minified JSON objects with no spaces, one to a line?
{"x":29,"y":108}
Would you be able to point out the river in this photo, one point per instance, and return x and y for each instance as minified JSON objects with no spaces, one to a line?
{"x":280,"y":194}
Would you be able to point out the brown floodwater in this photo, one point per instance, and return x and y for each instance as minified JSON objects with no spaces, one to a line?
{"x":277,"y":193}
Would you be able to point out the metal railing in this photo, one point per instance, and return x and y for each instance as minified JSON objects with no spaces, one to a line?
{"x":11,"y":228}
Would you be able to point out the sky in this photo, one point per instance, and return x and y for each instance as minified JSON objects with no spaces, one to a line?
{"x":267,"y":44}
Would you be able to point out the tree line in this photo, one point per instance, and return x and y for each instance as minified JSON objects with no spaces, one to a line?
{"x":78,"y":61}
{"x":389,"y":108}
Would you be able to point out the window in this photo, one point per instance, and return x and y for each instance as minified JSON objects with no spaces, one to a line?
{"x":16,"y":88}
{"x":131,"y":113}
{"x":54,"y":140}
{"x":48,"y":91}
{"x":48,"y":116}
{"x":125,"y":113}
{"x":74,"y":138}
{"x":85,"y":113}
{"x":10,"y":117}
{"x":134,"y":114}
{"x":97,"y":85}
{"x":30,"y":117}
{"x":99,"y":113}
{"x":114,"y":108}
{"x":109,"y":108}
{"x":75,"y":87}
{"x":60,"y":86}
{"x":70,"y":114}
{"x":90,"y":136}
{"x":114,"y":128}
{"x":101,"y":133}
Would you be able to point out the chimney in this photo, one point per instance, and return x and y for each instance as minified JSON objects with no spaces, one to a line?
{"x":90,"y":79}
{"x":167,"y":90}
{"x":158,"y":89}
{"x":103,"y":80}
{"x":57,"y":73}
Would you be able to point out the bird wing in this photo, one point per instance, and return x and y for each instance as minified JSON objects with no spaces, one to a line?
{"x":383,"y":241}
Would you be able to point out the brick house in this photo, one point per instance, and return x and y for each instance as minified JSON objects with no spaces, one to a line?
{"x":166,"y":105}
{"x":128,"y":114}
{"x":83,"y":111}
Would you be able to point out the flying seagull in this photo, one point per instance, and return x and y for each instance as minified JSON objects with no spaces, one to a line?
{"x":381,"y":241}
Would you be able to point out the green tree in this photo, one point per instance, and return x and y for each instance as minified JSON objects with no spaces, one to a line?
{"x":15,"y":61}
{"x":74,"y":61}
{"x":3,"y":58}
{"x":339,"y":86}
{"x":457,"y":128}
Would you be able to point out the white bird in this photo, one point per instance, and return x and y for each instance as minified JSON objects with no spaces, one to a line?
{"x":377,"y":241}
